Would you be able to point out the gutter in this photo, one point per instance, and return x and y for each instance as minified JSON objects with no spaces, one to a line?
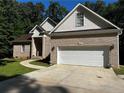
{"x":120,"y":32}
{"x":90,"y":32}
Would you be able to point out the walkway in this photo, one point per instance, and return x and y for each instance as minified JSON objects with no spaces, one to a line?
{"x":65,"y":79}
{"x":26,"y":63}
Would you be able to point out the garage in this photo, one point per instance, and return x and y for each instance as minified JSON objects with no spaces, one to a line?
{"x":87,"y":56}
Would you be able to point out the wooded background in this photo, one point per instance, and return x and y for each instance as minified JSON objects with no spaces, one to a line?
{"x":19,"y":18}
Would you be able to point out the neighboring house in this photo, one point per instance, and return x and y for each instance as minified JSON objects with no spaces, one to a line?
{"x":81,"y":38}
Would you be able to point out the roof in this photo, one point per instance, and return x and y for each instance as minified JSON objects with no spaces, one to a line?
{"x":80,"y":5}
{"x":50,"y":20}
{"x":53,"y":23}
{"x":23,"y":38}
{"x":39,"y":27}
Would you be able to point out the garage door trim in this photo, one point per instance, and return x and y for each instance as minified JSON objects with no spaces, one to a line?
{"x":99,"y":49}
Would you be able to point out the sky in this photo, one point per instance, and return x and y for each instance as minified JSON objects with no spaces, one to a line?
{"x":69,"y":4}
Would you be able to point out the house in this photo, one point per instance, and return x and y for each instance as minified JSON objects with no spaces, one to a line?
{"x":82,"y":37}
{"x":36,"y":43}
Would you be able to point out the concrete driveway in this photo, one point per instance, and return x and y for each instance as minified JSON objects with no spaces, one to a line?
{"x":65,"y":79}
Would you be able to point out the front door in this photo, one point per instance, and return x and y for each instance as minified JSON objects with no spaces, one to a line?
{"x":38,"y":44}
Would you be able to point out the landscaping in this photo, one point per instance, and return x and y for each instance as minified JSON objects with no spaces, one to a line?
{"x":119,"y":71}
{"x":39,"y":63}
{"x":11,"y":68}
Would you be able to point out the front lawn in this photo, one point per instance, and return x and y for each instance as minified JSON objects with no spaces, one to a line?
{"x":11,"y":68}
{"x":39,"y":63}
{"x":119,"y":71}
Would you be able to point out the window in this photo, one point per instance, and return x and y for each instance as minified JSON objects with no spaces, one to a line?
{"x":79,"y":19}
{"x":23,"y":48}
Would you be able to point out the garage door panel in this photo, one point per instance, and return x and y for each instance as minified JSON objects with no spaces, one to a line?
{"x":81,"y":51}
{"x":81,"y":57}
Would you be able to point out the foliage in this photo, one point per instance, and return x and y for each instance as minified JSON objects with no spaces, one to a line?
{"x":16,"y":19}
{"x":98,"y":7}
{"x":119,"y":71}
{"x":56,"y":11}
{"x":39,"y":63}
{"x":19,"y":18}
{"x":30,"y":15}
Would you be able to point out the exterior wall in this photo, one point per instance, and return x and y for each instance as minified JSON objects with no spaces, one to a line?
{"x":46,"y":46}
{"x":18,"y":54}
{"x":90,"y":22}
{"x":47,"y":26}
{"x":98,"y":40}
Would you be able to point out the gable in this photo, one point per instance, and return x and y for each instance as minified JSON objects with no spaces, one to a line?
{"x":48,"y":24}
{"x":70,"y":23}
{"x":36,"y":33}
{"x":91,"y":21}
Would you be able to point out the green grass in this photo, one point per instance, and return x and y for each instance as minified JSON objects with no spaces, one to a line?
{"x":119,"y":71}
{"x":39,"y":63}
{"x":12,"y":68}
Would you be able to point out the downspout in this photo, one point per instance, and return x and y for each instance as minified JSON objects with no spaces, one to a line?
{"x":119,"y":33}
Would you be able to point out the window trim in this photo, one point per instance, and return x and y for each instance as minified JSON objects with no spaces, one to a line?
{"x":79,"y":19}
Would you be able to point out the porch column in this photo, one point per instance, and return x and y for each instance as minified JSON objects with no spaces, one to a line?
{"x":33,"y":48}
{"x":43,"y":46}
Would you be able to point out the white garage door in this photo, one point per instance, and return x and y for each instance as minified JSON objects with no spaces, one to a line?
{"x":81,"y":56}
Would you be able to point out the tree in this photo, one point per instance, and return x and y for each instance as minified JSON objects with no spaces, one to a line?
{"x":56,"y":11}
{"x":90,"y":5}
{"x":16,"y":19}
{"x":7,"y":22}
{"x":31,"y":14}
{"x":98,"y":7}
